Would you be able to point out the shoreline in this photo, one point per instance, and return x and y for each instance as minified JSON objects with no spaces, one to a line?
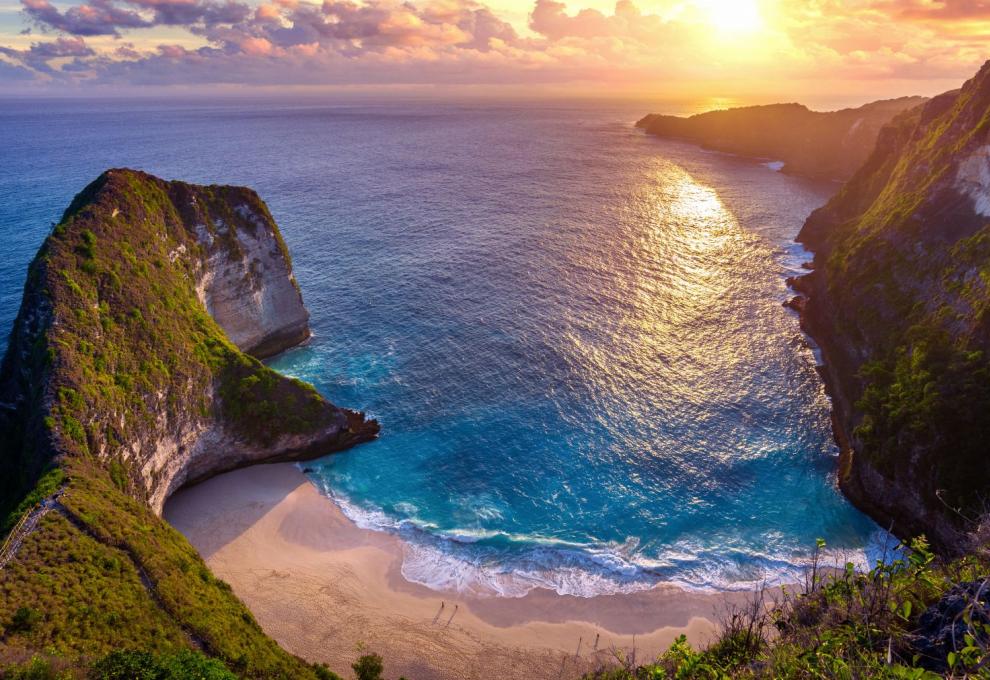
{"x":329,"y":591}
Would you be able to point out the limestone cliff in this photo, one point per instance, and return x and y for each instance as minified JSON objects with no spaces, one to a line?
{"x":245,"y":279}
{"x":899,"y":301}
{"x":128,"y":375}
{"x":826,"y":145}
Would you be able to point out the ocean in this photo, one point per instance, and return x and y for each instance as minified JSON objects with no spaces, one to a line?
{"x":572,"y":333}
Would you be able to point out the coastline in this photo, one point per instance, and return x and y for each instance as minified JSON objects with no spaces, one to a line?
{"x":326,"y":589}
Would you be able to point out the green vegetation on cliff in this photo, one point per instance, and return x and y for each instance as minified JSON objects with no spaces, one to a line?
{"x":898,"y":301}
{"x":114,"y":373}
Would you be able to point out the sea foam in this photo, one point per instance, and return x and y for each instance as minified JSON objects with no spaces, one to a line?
{"x":464,"y":561}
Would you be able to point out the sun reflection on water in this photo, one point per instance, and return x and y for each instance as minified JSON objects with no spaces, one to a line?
{"x":674,"y":318}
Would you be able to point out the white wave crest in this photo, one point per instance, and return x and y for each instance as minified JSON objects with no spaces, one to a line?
{"x":489,"y":563}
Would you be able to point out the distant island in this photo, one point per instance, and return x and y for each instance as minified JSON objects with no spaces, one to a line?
{"x":132,"y":370}
{"x":824,"y":145}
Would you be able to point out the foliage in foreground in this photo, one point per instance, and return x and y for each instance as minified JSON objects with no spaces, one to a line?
{"x":123,"y":665}
{"x":909,"y":618}
{"x":143,"y":665}
{"x":131,"y":665}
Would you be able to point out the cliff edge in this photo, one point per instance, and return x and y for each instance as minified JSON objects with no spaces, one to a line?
{"x":825,"y":145}
{"x":131,"y":371}
{"x":899,"y":301}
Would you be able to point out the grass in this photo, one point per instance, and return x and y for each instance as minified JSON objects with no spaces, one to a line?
{"x":85,"y":597}
{"x":135,"y":664}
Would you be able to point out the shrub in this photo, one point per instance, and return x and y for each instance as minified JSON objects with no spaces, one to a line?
{"x":323,"y":672}
{"x":368,"y":667}
{"x":35,"y":669}
{"x":126,"y":665}
{"x":24,"y":620}
{"x":138,"y":665}
{"x":194,"y":666}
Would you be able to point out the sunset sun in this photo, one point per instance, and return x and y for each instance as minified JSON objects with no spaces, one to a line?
{"x":733,"y":16}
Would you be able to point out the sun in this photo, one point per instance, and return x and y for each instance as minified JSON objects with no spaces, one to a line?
{"x":733,"y":16}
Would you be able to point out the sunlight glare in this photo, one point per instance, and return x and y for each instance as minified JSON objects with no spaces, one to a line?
{"x":734,"y":16}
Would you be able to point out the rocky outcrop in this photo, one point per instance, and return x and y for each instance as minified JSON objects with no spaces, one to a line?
{"x":826,"y":145}
{"x":131,"y":344}
{"x":963,"y":610}
{"x":898,"y":302}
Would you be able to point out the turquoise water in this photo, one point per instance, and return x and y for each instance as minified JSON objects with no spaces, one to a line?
{"x":572,"y":334}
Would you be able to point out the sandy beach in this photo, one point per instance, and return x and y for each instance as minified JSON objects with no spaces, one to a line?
{"x":327,"y":590}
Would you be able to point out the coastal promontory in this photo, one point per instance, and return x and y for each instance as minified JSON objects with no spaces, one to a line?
{"x":826,"y":145}
{"x":132,"y":370}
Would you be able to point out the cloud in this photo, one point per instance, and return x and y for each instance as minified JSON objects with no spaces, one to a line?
{"x":286,"y":42}
{"x":946,"y":9}
{"x":550,"y":19}
{"x":10,"y":73}
{"x":484,"y":27}
{"x":105,"y":17}
{"x":194,"y":12}
{"x":40,"y":55}
{"x":98,"y":17}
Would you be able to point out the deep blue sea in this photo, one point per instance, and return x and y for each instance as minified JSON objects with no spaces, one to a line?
{"x":571,"y":333}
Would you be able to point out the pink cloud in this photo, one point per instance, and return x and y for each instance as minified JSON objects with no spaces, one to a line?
{"x":256,"y":47}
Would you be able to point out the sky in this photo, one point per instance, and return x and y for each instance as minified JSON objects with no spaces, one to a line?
{"x":717,"y":51}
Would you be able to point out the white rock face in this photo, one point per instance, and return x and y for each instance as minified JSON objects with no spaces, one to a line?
{"x":243,"y":277}
{"x":973,"y":179}
{"x":244,"y":280}
{"x":247,"y":286}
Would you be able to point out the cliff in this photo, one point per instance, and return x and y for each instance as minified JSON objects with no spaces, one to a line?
{"x":826,"y":145}
{"x":129,"y":373}
{"x":898,"y":301}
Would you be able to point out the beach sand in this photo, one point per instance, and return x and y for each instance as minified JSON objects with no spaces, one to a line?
{"x":329,"y":591}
